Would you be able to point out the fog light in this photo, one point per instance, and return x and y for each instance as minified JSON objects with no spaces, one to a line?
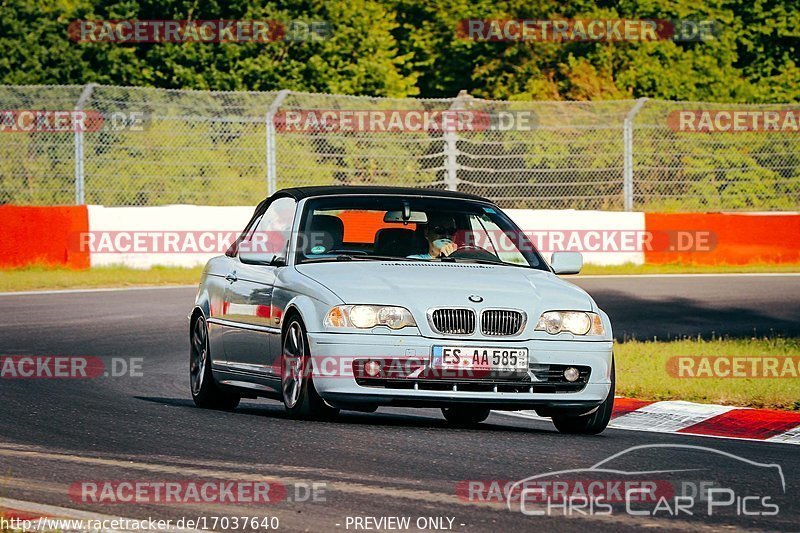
{"x":572,"y":374}
{"x":372,"y":368}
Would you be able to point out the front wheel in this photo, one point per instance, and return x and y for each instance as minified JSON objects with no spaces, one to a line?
{"x":465,"y":416}
{"x":593,"y":423}
{"x":297,"y":386}
{"x":205,"y":392}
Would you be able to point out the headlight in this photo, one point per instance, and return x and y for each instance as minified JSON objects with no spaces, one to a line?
{"x":576,"y":322}
{"x":369,"y":316}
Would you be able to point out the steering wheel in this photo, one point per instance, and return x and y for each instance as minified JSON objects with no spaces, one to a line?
{"x":474,"y":252}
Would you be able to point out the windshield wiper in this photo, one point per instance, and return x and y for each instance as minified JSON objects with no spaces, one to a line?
{"x":499,"y":262}
{"x":384,"y":258}
{"x":348,"y":257}
{"x":328,"y":259}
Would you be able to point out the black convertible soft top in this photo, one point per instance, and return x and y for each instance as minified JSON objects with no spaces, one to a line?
{"x":340,"y":190}
{"x":298,"y":193}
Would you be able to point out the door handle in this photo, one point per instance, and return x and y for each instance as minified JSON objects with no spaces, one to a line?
{"x":231,"y":277}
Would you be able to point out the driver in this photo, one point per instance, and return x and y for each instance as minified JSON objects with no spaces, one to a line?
{"x":439,"y":233}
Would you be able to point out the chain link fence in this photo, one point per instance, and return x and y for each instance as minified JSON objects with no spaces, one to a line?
{"x":158,"y":147}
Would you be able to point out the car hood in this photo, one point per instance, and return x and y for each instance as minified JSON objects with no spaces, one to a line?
{"x":421,"y":286}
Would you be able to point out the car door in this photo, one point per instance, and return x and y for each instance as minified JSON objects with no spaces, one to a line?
{"x":248,"y":295}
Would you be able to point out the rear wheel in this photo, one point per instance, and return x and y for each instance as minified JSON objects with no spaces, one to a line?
{"x":465,"y":416}
{"x":297,"y":386}
{"x":205,"y":392}
{"x":593,"y":423}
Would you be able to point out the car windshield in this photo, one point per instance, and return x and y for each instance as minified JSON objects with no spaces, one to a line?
{"x":355,"y":228}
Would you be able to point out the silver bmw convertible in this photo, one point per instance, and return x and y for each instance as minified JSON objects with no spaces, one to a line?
{"x":359,"y":297}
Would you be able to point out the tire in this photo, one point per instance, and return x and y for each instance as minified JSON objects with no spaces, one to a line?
{"x":593,"y":423}
{"x":465,"y":416}
{"x":205,"y":392}
{"x":300,"y":397}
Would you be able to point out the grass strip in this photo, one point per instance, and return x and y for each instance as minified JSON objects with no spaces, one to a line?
{"x":643,"y":372}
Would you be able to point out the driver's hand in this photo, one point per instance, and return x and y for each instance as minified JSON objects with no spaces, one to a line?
{"x":448,"y":249}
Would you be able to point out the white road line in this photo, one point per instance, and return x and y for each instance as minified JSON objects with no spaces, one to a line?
{"x":416,"y":495}
{"x":55,"y":513}
{"x":102,"y":289}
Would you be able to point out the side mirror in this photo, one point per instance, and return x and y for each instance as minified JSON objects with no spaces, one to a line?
{"x":566,"y":262}
{"x":261,"y":259}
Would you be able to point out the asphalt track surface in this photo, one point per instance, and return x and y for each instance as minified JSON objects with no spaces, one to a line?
{"x":396,"y":462}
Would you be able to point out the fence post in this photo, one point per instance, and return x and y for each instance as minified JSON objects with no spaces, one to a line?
{"x":451,"y":146}
{"x":272,"y":165}
{"x":627,"y":162}
{"x":80,"y":176}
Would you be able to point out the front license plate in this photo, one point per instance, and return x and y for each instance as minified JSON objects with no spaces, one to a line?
{"x":480,"y":359}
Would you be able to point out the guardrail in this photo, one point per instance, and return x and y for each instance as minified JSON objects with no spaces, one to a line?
{"x":149,"y":146}
{"x":142,"y":237}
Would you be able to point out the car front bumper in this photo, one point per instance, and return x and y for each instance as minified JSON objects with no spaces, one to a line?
{"x":333,"y":353}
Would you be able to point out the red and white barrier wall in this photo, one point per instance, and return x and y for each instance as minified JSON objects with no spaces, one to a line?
{"x":738,"y":239}
{"x":171,"y":218}
{"x":55,"y":235}
{"x":589,"y":229}
{"x":40,"y":235}
{"x":710,"y":420}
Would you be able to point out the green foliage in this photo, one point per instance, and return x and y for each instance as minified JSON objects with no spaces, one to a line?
{"x":360,"y":57}
{"x":400,"y":48}
{"x":642,"y":372}
{"x":197,"y":144}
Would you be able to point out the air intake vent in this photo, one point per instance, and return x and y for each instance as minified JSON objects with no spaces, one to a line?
{"x":502,"y":322}
{"x":453,"y":321}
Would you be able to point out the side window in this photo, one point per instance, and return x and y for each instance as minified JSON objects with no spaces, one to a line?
{"x":488,"y":235}
{"x":233,"y":249}
{"x":272,"y":232}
